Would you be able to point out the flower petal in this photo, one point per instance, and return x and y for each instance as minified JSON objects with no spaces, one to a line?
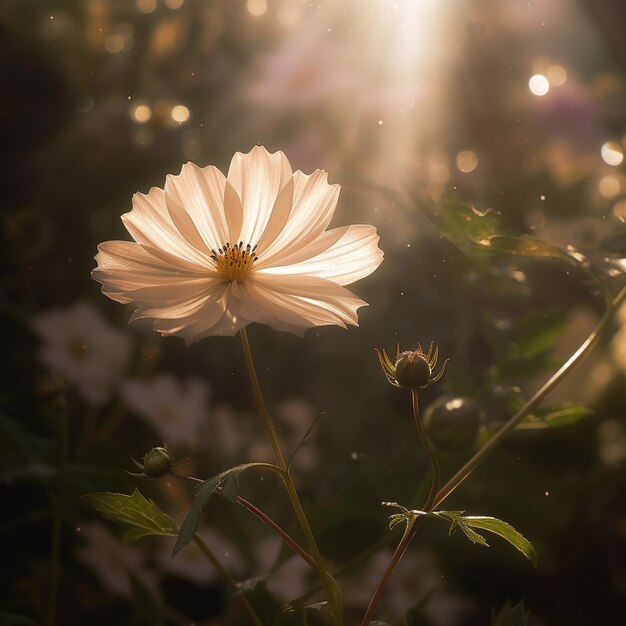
{"x":150,"y":224}
{"x":297,"y":303}
{"x":314,"y":203}
{"x":216,"y":317}
{"x":195,"y":201}
{"x":125,"y":267}
{"x":257,"y":177}
{"x":342,"y":255}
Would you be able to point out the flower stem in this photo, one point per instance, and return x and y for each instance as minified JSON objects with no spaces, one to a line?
{"x":228,"y":578}
{"x":473,"y":463}
{"x":329,"y":585}
{"x":434,"y":464}
{"x":268,"y":521}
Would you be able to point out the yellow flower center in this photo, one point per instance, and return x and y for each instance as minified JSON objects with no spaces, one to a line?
{"x":234,"y":262}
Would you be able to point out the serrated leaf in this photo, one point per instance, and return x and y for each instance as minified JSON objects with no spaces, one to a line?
{"x":555,"y":417}
{"x":504,"y":530}
{"x":143,"y":516}
{"x":472,"y":535}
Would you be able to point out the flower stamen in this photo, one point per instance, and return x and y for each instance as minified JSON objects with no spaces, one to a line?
{"x":234,"y":262}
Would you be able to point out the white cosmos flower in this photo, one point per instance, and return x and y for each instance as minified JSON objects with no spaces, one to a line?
{"x":213,"y":253}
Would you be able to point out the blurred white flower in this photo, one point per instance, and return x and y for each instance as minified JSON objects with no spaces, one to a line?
{"x":177,"y":410}
{"x":213,"y":254}
{"x":111,"y":560}
{"x":416,"y":578}
{"x":191,"y":564}
{"x":290,"y":579}
{"x":81,"y":345}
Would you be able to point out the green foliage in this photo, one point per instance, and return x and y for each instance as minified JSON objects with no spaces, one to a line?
{"x":524,"y":346}
{"x":226,"y":484}
{"x":468,"y":524}
{"x":143,"y":516}
{"x":510,"y":615}
{"x":555,"y":416}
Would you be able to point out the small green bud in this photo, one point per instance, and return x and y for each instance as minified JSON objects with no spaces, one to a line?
{"x":158,"y":461}
{"x":412,"y":370}
{"x":155,"y":463}
{"x":452,"y":423}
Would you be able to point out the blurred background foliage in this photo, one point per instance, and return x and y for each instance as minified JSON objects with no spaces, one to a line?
{"x":446,"y":123}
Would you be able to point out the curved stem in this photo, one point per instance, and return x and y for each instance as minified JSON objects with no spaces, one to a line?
{"x":268,"y":521}
{"x":228,"y":578}
{"x":473,"y":463}
{"x":329,"y":586}
{"x":434,"y":464}
{"x":565,"y":369}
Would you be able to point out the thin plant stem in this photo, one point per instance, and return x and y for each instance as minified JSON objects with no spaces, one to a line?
{"x":329,"y":588}
{"x":504,"y":430}
{"x":228,"y":578}
{"x":268,"y":521}
{"x":57,"y":521}
{"x":563,"y":371}
{"x":277,"y":529}
{"x":434,"y":464}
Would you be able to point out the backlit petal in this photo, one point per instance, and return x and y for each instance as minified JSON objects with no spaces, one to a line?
{"x":350,"y":253}
{"x":195,"y":201}
{"x":258,"y":178}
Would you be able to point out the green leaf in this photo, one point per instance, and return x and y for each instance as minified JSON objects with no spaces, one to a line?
{"x":229,"y":484}
{"x":466,"y":225}
{"x":510,"y":615}
{"x":472,"y":535}
{"x":555,"y":417}
{"x":191,"y":522}
{"x":528,"y":246}
{"x":504,"y":530}
{"x":230,"y":487}
{"x":143,"y":516}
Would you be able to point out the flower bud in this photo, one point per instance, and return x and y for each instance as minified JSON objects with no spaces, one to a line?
{"x":158,"y":461}
{"x":412,"y":370}
{"x":155,"y":463}
{"x":452,"y":423}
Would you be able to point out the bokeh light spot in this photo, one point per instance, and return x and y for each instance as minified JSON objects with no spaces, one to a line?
{"x":557,"y":75}
{"x":146,"y":6}
{"x":612,"y":153}
{"x":609,"y":186}
{"x":141,"y":113}
{"x":180,"y":113}
{"x":466,"y":161}
{"x":256,"y":7}
{"x":539,"y":85}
